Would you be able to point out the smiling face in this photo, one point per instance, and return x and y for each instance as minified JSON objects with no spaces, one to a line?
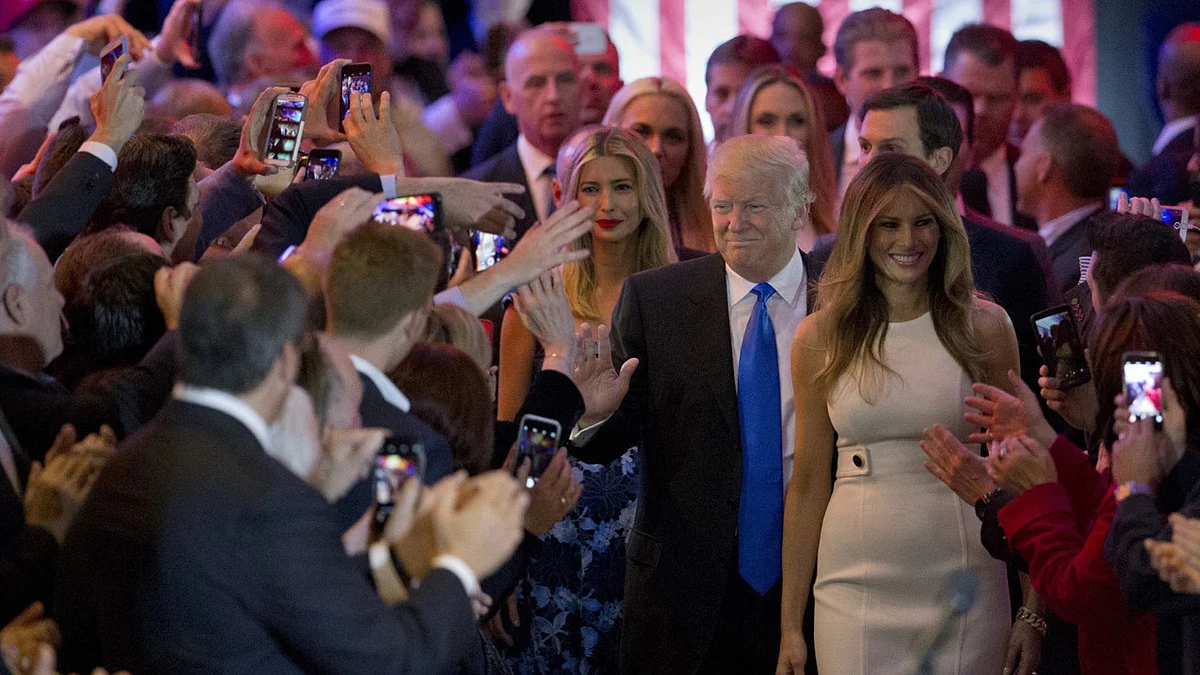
{"x":903,"y":240}
{"x":754,"y":228}
{"x":779,"y":109}
{"x":609,"y":184}
{"x":662,"y":122}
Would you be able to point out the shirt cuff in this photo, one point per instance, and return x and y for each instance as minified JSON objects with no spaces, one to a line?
{"x":460,"y":569}
{"x":581,"y":436}
{"x":451,"y":296}
{"x":101,"y":152}
{"x":388,"y":183}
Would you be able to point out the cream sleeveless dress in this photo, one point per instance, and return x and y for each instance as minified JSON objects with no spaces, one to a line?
{"x":893,"y":534}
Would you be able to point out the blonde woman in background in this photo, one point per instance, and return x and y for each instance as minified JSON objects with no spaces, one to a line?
{"x":576,"y":581}
{"x":774,"y":101}
{"x":661,"y":112}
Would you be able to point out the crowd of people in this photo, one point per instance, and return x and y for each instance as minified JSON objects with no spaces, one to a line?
{"x":769,"y":403}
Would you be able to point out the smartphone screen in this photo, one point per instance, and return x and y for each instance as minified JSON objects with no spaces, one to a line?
{"x":589,"y":39}
{"x":420,"y":213}
{"x":399,"y":460}
{"x":537,"y":441}
{"x":355,"y":77}
{"x":322,"y":164}
{"x":1114,"y":196}
{"x":1062,"y":350}
{"x":287,"y":124}
{"x":1143,"y":386}
{"x":1177,"y":218}
{"x":489,"y":249}
{"x":108,"y":57}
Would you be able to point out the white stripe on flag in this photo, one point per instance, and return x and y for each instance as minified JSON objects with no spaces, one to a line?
{"x":1038,"y":20}
{"x":634,"y":29}
{"x":890,"y":5}
{"x":707,"y":25}
{"x":948,"y":16}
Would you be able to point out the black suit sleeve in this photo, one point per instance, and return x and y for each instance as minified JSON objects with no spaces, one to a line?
{"x":624,"y":429}
{"x":63,"y":208}
{"x":27,"y":572}
{"x":551,"y":395}
{"x":325,"y":614}
{"x":286,"y":218}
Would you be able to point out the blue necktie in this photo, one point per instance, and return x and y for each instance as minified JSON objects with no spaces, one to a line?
{"x":760,"y":514}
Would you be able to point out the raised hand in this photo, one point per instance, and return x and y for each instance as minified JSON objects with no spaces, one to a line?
{"x":1077,"y":406}
{"x":98,"y":31}
{"x":57,"y":490}
{"x":1021,"y":463}
{"x":338,"y":218}
{"x":483,"y":523}
{"x":22,"y":639}
{"x":345,"y":458}
{"x":248,"y":161}
{"x":171,"y":45}
{"x":602,"y":387}
{"x":546,"y":246}
{"x":374,"y":138}
{"x":118,"y":107}
{"x":1137,"y":455}
{"x":474,"y":205}
{"x":323,"y":93}
{"x":544,"y":309}
{"x":1003,"y":415}
{"x":962,"y":471}
{"x":170,"y":285}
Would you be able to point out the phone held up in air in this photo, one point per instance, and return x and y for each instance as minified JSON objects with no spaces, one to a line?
{"x":419,"y":213}
{"x":322,"y":164}
{"x":287,"y":129}
{"x":489,"y":249}
{"x":108,"y":57}
{"x":355,"y":77}
{"x":399,"y":460}
{"x":1177,"y":218}
{"x":537,"y":441}
{"x":1060,"y":345}
{"x":1143,"y":386}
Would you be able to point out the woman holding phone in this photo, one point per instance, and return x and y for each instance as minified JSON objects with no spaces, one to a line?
{"x":577,"y":579}
{"x":898,"y":338}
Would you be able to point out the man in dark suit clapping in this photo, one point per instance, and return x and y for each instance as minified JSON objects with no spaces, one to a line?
{"x":710,"y":404}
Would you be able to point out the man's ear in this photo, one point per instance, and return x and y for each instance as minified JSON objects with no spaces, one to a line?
{"x":1043,"y":166}
{"x":839,"y":80}
{"x":506,"y":97}
{"x":16,"y":304}
{"x":287,"y":364}
{"x":940,"y":160}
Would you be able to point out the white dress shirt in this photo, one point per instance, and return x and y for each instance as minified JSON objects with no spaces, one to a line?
{"x":228,"y":404}
{"x":850,"y":156}
{"x":1172,"y":129}
{"x":390,"y":392}
{"x":1052,"y":230}
{"x":999,"y":191}
{"x":787,"y":307}
{"x":541,"y":188}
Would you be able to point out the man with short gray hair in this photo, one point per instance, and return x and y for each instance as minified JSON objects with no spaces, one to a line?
{"x":256,"y":39}
{"x":705,"y":349}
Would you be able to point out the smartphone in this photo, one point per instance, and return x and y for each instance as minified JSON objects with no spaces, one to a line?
{"x":399,"y":460}
{"x":108,"y":57}
{"x":589,"y":39}
{"x":489,"y":249}
{"x":1114,"y":196}
{"x":355,"y":77}
{"x":1061,"y":348}
{"x":420,"y":213}
{"x":1176,"y":217}
{"x":193,"y":34}
{"x":322,"y":164}
{"x":1143,"y":386}
{"x":287,"y":129}
{"x":537,"y":441}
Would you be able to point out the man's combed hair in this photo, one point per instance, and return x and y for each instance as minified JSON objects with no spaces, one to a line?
{"x":872,"y":25}
{"x":1035,"y":55}
{"x":748,"y":50}
{"x":1127,"y":243}
{"x":216,"y":138}
{"x":238,"y":313}
{"x":939,"y":127}
{"x":153,"y":172}
{"x":955,"y":94}
{"x":379,"y":274}
{"x":1084,"y":146}
{"x":988,"y":43}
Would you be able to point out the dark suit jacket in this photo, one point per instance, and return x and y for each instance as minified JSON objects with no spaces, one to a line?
{"x":682,"y":411}
{"x":1165,"y":176}
{"x":198,"y":553}
{"x":498,"y":132}
{"x":286,"y":218}
{"x":27,"y":554}
{"x":1066,"y":251}
{"x":506,"y":167}
{"x":837,"y":143}
{"x":63,"y":208}
{"x":974,"y":189}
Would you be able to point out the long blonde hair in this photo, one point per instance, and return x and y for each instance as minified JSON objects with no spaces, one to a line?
{"x":857,"y":311}
{"x":654,"y":236}
{"x":821,"y":173}
{"x":691,"y":220}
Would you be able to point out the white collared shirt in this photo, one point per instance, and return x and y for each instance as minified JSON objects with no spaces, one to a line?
{"x":390,"y":392}
{"x":1052,"y":230}
{"x":999,"y":191}
{"x":227,"y":403}
{"x":787,"y":307}
{"x":1172,"y":129}
{"x":851,"y":156}
{"x":534,"y":162}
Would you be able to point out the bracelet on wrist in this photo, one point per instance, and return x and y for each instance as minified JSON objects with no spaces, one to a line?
{"x":1031,"y":619}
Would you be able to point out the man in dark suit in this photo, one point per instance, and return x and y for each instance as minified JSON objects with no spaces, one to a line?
{"x":1063,"y":176}
{"x":1165,"y":176}
{"x":199,"y":553}
{"x":541,"y":89}
{"x":874,"y":49}
{"x":710,"y":404}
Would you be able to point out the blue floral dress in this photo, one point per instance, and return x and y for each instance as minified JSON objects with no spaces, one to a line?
{"x":573,"y":595}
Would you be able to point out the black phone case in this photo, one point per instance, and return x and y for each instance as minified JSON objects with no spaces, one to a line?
{"x":1050,"y":357}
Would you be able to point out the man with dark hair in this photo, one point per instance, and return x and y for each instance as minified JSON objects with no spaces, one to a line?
{"x":1123,"y":243}
{"x":215,"y":138}
{"x":983,"y":59}
{"x":198,"y":552}
{"x":728,"y":67}
{"x":153,"y":189}
{"x":874,"y":49}
{"x":1063,"y":175}
{"x":797,"y":33}
{"x":1165,"y":175}
{"x":89,"y":251}
{"x":1042,"y":77}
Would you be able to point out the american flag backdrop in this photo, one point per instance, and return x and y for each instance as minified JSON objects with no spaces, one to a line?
{"x":675,"y":37}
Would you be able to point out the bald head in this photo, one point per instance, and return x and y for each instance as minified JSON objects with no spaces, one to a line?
{"x":1179,"y":72}
{"x":541,"y":88}
{"x":796,"y":33}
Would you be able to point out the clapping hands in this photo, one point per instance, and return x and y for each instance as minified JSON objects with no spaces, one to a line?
{"x":1178,"y":561}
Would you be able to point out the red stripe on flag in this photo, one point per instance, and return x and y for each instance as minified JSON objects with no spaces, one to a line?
{"x":1079,"y":48}
{"x":919,"y":12}
{"x":671,"y":30}
{"x":754,"y":18}
{"x":998,"y":13}
{"x":595,"y":11}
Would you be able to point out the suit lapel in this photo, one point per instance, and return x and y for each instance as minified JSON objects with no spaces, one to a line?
{"x":711,"y":336}
{"x":511,"y":170}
